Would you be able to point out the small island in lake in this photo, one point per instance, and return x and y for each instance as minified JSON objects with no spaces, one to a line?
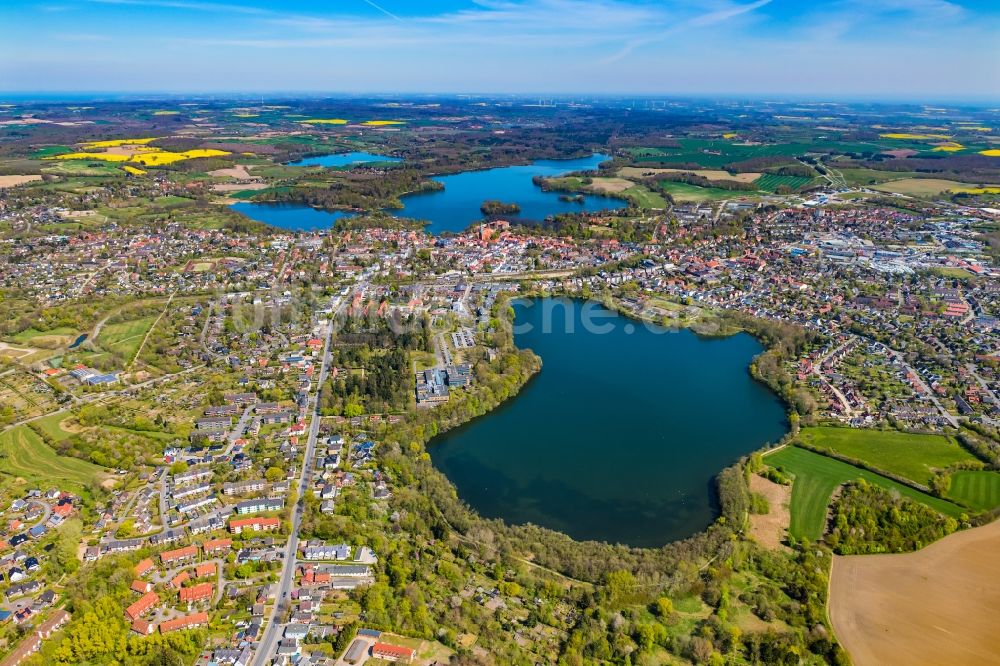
{"x":494,"y":207}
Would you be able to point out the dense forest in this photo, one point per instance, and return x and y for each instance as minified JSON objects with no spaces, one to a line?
{"x":869,"y":519}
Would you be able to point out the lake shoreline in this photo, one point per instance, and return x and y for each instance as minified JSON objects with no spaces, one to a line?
{"x":678,"y":482}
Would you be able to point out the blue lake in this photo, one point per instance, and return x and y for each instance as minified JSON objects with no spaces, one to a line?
{"x":343,"y":159}
{"x":295,"y":217}
{"x":457,"y":206}
{"x":621,"y":434}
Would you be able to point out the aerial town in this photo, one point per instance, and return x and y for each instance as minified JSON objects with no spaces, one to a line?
{"x":219,"y":426}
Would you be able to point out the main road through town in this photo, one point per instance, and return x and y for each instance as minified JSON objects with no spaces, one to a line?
{"x":272,"y":634}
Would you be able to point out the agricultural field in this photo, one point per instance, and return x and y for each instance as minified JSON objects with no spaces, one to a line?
{"x":82,"y":167}
{"x":710,"y":174}
{"x":14,"y":181}
{"x":770,"y":182}
{"x":715,"y":154}
{"x":936,"y":606}
{"x":977,"y":489}
{"x":816,"y":477}
{"x":865,"y":177}
{"x":911,"y":456}
{"x":925,"y":187}
{"x":684,"y":193}
{"x":25,"y":455}
{"x":608,"y":185}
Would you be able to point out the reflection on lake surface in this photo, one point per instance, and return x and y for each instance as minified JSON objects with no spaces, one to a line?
{"x":343,"y":159}
{"x":292,"y":216}
{"x":457,"y":206}
{"x":621,"y":434}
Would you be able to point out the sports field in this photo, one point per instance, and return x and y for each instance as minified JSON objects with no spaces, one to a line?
{"x":979,"y":490}
{"x":908,"y":455}
{"x":817,"y":476}
{"x":26,"y":456}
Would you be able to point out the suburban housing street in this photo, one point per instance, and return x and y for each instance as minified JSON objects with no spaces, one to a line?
{"x":272,"y":634}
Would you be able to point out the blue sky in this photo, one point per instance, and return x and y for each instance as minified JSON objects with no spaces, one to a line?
{"x":920,"y":49}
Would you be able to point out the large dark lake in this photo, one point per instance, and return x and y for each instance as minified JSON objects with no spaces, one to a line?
{"x":456,"y":206}
{"x":621,"y":434}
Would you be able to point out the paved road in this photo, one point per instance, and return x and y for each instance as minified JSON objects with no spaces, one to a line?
{"x":268,"y":643}
{"x":46,"y":510}
{"x":240,"y":429}
{"x":924,"y":388}
{"x":817,"y":368}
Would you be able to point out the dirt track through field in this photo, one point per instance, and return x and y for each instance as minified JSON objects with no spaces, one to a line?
{"x":937,"y":606}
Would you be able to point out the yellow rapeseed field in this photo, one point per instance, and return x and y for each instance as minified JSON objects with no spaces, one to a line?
{"x":162,"y":157}
{"x":981,"y":190}
{"x":324,"y":121}
{"x":118,"y":142}
{"x":913,"y":137}
{"x":949,"y":147}
{"x":145,"y":155}
{"x":381,"y":123}
{"x":107,"y":157}
{"x":135,"y":171}
{"x":992,"y":152}
{"x":730,"y":135}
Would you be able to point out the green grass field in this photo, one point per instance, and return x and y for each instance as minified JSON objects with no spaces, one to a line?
{"x":817,"y":476}
{"x":683,"y":192}
{"x":83,"y":168}
{"x":51,"y":426}
{"x":951,"y":272}
{"x":171,"y":200}
{"x":125,"y":337}
{"x":855,"y":177}
{"x":924,"y":187}
{"x":49,"y":151}
{"x":716,"y":153}
{"x":26,"y":336}
{"x":645,"y":198}
{"x":770,"y":182}
{"x":25,"y":455}
{"x":910,"y":456}
{"x":980,"y":490}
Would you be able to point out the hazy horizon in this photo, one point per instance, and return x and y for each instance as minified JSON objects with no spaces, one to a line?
{"x":864,"y":50}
